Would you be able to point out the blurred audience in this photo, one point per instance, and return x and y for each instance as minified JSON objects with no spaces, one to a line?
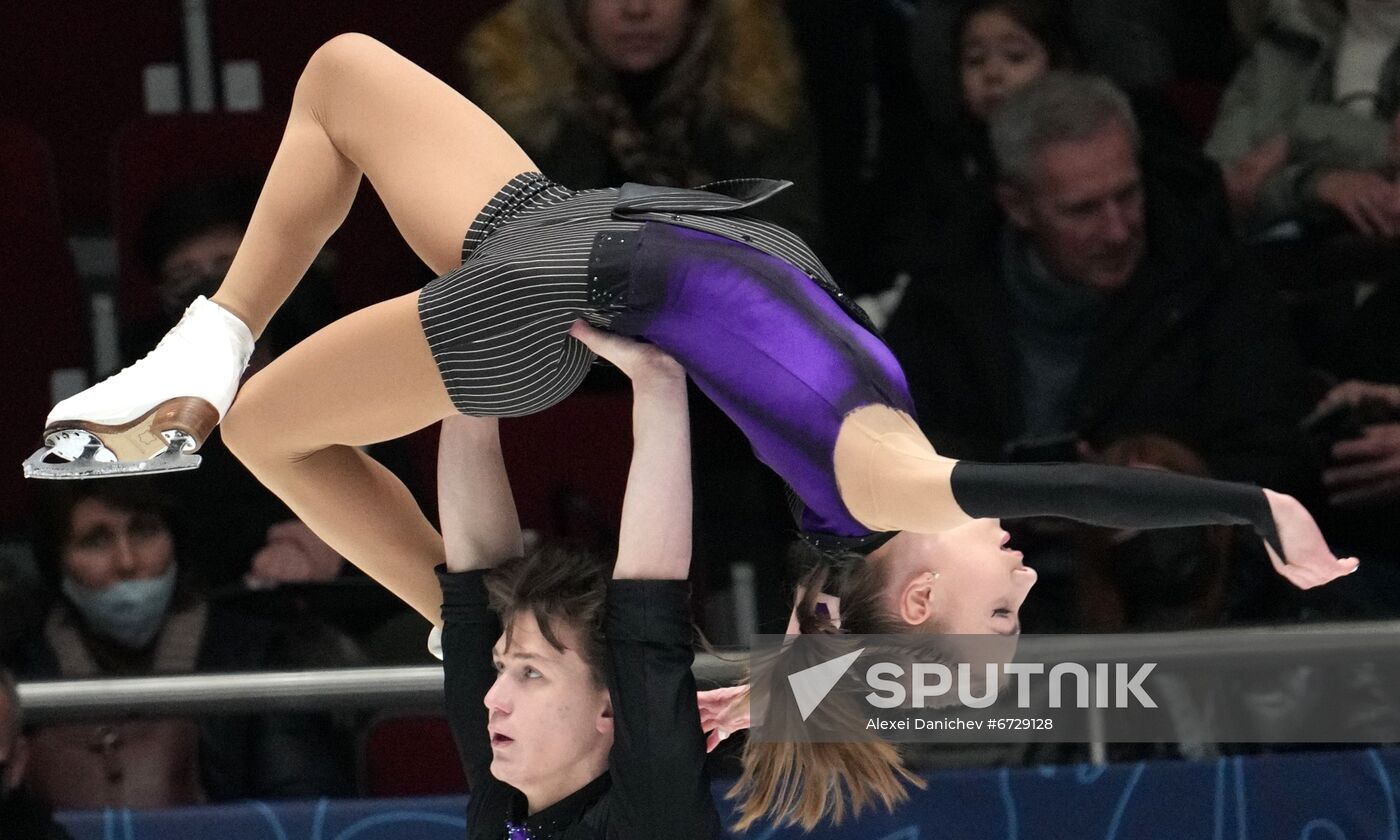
{"x":128,"y":609}
{"x":670,"y":92}
{"x":1091,"y":304}
{"x":1309,"y":128}
{"x":1142,"y":45}
{"x":1168,"y":579}
{"x":22,"y":815}
{"x":21,"y":597}
{"x":1360,"y":421}
{"x":871,"y":124}
{"x":1355,"y":428}
{"x":998,"y":47}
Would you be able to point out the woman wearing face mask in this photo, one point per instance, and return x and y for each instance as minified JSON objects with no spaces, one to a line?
{"x":127,"y":609}
{"x":1310,"y":125}
{"x":579,"y":720}
{"x":742,"y":304}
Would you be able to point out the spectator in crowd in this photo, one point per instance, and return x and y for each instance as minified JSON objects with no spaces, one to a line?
{"x":1141,"y":45}
{"x":1309,"y":133}
{"x":668,"y":92}
{"x":1124,"y":313}
{"x":1121,"y":319}
{"x":998,"y":47}
{"x":127,"y":610}
{"x":21,"y":814}
{"x":1366,"y":467}
{"x":1309,"y":128}
{"x":1356,"y":429}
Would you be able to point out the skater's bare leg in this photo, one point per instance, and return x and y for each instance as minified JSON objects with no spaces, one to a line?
{"x":360,"y":108}
{"x":297,"y":424}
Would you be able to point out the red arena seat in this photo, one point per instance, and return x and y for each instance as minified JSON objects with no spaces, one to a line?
{"x":411,"y":755}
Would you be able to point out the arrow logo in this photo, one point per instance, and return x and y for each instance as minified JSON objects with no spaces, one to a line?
{"x":811,"y":685}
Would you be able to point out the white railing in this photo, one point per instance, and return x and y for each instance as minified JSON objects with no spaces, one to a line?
{"x":347,"y":688}
{"x":421,"y":686}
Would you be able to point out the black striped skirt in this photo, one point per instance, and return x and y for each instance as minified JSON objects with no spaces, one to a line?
{"x":498,"y":325}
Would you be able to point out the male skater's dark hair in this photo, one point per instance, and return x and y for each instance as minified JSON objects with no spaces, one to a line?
{"x":557,"y":584}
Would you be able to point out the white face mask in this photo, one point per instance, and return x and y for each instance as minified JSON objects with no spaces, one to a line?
{"x":129,"y":612}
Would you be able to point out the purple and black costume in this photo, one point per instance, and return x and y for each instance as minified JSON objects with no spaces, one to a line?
{"x":778,"y":355}
{"x":759,"y":325}
{"x":745,"y":307}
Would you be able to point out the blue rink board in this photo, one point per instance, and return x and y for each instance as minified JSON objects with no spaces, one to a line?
{"x":1313,"y":796}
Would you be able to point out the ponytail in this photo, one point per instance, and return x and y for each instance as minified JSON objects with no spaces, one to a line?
{"x":792,"y":783}
{"x":803,"y":784}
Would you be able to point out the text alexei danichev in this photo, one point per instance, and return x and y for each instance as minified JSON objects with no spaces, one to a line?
{"x":944,"y":724}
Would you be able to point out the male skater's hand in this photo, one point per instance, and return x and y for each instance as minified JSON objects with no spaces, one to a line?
{"x":637,"y":359}
{"x":723,"y":711}
{"x":1310,"y":562}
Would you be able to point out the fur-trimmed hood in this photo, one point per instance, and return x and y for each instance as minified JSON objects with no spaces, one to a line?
{"x":529,"y":68}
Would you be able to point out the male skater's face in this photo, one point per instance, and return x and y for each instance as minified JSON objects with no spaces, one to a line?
{"x":549,"y":720}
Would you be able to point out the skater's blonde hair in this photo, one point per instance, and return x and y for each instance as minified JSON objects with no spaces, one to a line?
{"x":805,"y":784}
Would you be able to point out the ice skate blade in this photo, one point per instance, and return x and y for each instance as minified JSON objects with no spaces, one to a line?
{"x":37,"y":465}
{"x":147,"y":436}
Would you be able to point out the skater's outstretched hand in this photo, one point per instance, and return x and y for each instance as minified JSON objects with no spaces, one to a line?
{"x":1310,"y":562}
{"x":723,"y":711}
{"x":637,"y":359}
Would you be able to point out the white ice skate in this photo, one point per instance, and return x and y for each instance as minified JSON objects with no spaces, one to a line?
{"x":153,"y":415}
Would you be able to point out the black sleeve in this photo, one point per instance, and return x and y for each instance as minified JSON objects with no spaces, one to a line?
{"x":1113,"y":497}
{"x":657,"y":764}
{"x":469,"y":631}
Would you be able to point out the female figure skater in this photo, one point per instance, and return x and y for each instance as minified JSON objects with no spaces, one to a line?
{"x":743,"y":305}
{"x":579,"y":720}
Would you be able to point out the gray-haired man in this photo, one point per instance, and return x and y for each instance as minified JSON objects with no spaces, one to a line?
{"x":1095,"y":303}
